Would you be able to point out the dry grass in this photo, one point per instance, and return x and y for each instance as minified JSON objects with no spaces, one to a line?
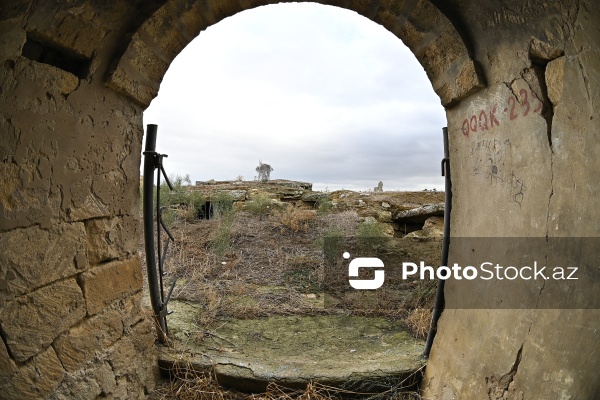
{"x":296,"y":219}
{"x":274,"y":263}
{"x":419,"y":321}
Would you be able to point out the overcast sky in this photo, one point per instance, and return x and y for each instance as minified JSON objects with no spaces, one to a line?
{"x":320,"y":93}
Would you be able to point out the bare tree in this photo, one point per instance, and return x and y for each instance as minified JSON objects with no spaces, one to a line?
{"x":264,"y":171}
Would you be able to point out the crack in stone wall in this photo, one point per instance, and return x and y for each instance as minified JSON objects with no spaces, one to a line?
{"x":500,"y":388}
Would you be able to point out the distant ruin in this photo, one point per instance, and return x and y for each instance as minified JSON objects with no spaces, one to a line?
{"x":401,"y":212}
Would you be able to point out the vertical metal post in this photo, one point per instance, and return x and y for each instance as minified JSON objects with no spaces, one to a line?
{"x":439,"y":294}
{"x":150,"y":165}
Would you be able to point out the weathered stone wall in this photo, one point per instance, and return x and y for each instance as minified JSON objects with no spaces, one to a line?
{"x":70,"y":278}
{"x":523,"y":155}
{"x":521,"y":75}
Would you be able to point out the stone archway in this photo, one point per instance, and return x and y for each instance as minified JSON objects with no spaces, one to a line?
{"x":75,"y":78}
{"x":419,"y":24}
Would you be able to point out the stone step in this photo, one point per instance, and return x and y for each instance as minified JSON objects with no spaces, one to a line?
{"x":351,"y":352}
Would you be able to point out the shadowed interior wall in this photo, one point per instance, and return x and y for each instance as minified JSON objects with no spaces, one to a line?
{"x":75,"y":78}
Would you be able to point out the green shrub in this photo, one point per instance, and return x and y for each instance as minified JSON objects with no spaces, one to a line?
{"x":221,"y":243}
{"x":222,"y":203}
{"x":324,"y":206}
{"x":224,"y":212}
{"x":259,"y":205}
{"x":331,"y":243}
{"x":370,"y":228}
{"x":194,"y":205}
{"x":180,"y":203}
{"x":371,"y":234}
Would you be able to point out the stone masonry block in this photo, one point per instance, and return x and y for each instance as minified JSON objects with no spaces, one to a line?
{"x":398,"y":7}
{"x":468,"y":79}
{"x":147,"y":60}
{"x":438,"y":56}
{"x":122,"y":355}
{"x":132,"y":311}
{"x":129,"y":355}
{"x":53,"y":78}
{"x":38,"y":378}
{"x":160,"y":28}
{"x":12,"y":39}
{"x":140,"y":91}
{"x":78,"y":345}
{"x":50,"y":255}
{"x":189,"y":19}
{"x":427,"y":16}
{"x":221,"y":9}
{"x":542,"y":52}
{"x":445,"y":91}
{"x":110,"y":238}
{"x":62,"y":26}
{"x":31,"y":323}
{"x":110,"y":282}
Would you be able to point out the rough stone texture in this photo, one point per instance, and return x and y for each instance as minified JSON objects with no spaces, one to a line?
{"x":110,"y":282}
{"x":79,"y":344}
{"x":420,"y":213}
{"x":542,"y":52}
{"x":57,"y":249}
{"x":36,"y":379}
{"x":96,"y":366}
{"x":524,"y":153}
{"x":555,"y":71}
{"x":523,"y":175}
{"x":131,"y":358}
{"x":111,"y":238}
{"x":434,"y":40}
{"x":69,"y":167}
{"x":295,"y":350}
{"x":7,"y":366}
{"x":432,"y":228}
{"x":30,"y":323}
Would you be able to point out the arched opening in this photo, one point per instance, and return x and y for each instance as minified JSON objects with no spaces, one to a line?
{"x":320,"y":91}
{"x":71,"y":322}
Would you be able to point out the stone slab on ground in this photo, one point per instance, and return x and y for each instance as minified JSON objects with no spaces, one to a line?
{"x":344,"y":351}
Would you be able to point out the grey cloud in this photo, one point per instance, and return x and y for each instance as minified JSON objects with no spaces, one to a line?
{"x":321,"y":94}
